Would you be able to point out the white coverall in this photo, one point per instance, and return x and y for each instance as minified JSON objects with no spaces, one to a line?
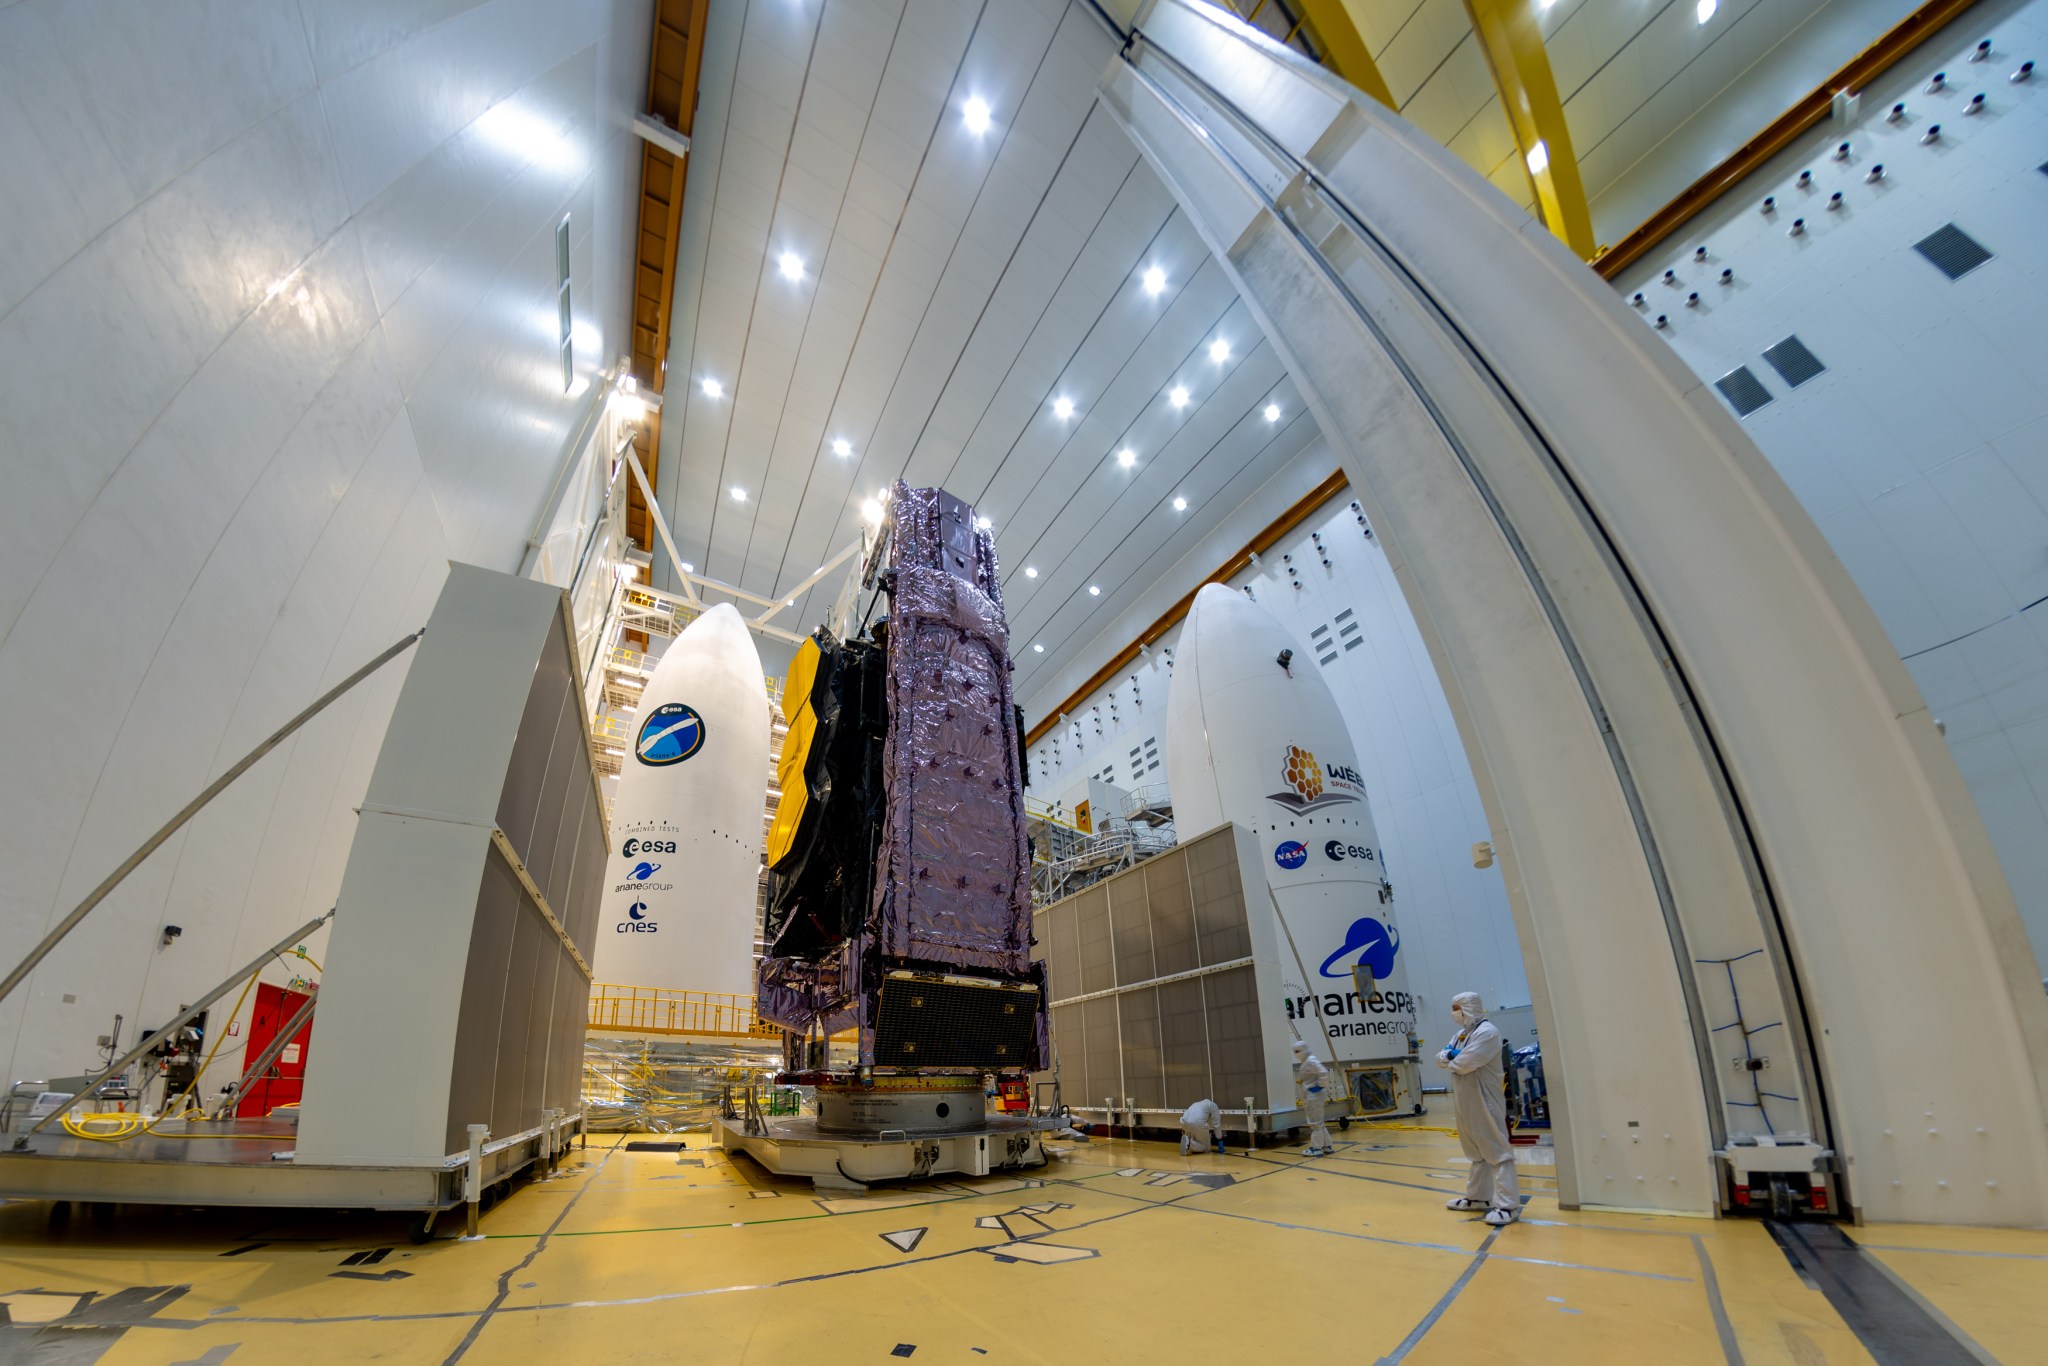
{"x":1482,"y":1111}
{"x":1315,"y":1081}
{"x":1200,"y":1125}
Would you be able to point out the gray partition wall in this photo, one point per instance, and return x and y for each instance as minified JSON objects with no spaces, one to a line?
{"x":1166,"y":985}
{"x":458,"y":979}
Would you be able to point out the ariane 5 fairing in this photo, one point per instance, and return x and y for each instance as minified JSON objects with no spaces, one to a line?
{"x":684,"y":868}
{"x":1254,"y":736}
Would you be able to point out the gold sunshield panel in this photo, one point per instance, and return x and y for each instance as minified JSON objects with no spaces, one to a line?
{"x":796,"y":750}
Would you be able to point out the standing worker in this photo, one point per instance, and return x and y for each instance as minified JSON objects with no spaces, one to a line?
{"x":1315,"y":1078}
{"x":1473,"y":1059}
{"x":1200,"y":1125}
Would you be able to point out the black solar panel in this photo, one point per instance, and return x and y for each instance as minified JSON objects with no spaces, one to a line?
{"x":1954,"y":252}
{"x":1745,"y":392}
{"x":1793,"y":362}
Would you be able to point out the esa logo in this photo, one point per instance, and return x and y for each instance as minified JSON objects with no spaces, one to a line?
{"x":636,"y":921}
{"x":1291,"y":854}
{"x":648,"y":847}
{"x":1338,"y":850}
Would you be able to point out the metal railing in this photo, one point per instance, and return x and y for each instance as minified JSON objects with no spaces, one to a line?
{"x":659,"y":1011}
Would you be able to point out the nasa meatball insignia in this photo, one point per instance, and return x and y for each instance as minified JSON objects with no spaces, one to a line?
{"x":1292,"y":854}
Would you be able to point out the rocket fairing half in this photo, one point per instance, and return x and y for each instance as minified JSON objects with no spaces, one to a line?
{"x":1263,"y":744}
{"x":683,"y":873}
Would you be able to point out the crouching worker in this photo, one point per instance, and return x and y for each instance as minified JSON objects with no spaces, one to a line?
{"x":1201,"y":1125}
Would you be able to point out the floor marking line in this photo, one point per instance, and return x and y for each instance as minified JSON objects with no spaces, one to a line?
{"x":1356,"y":1176}
{"x":1420,"y":1330}
{"x":505,"y":1280}
{"x":1731,"y":1350}
{"x":1956,"y":1252}
{"x":1893,"y":1321}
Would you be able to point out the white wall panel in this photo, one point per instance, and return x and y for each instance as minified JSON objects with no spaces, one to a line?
{"x":278,"y":342}
{"x":1922,"y":452}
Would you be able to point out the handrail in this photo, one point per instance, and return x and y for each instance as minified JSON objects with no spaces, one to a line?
{"x":192,"y":808}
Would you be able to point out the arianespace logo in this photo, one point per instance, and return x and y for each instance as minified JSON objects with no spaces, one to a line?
{"x":636,"y":921}
{"x":1312,"y":786}
{"x":671,"y":733}
{"x":1291,"y":854}
{"x":1369,"y":941}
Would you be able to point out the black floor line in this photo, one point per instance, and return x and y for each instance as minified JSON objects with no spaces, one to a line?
{"x":1731,"y":1350}
{"x":1421,"y":1330}
{"x":1894,"y":1324}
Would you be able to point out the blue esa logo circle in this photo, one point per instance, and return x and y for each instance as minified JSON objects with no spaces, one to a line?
{"x":1291,"y":854}
{"x":670,"y":735}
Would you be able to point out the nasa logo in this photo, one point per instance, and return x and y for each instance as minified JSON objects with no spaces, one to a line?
{"x":1369,"y":941}
{"x":1339,"y":851}
{"x":643,"y":871}
{"x":1291,"y":854}
{"x":1304,"y":779}
{"x":669,"y":735}
{"x":637,"y":921}
{"x":648,"y":847}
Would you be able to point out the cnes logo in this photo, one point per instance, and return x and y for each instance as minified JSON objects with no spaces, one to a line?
{"x":636,"y":921}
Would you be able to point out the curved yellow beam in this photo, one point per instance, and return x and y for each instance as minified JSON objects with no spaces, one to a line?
{"x":1513,"y":44}
{"x":1344,"y":51}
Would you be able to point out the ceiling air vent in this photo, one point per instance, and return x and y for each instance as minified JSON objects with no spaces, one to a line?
{"x":1793,"y":362}
{"x":1745,"y":392}
{"x":1954,"y":252}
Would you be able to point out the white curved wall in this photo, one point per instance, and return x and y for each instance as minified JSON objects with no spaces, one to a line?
{"x":277,"y":341}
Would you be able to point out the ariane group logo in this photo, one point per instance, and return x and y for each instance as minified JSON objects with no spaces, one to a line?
{"x":1369,"y":941}
{"x":671,"y":733}
{"x":643,"y":871}
{"x":1292,"y":854}
{"x":1312,"y":786}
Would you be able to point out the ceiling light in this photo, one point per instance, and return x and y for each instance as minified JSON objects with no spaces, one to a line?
{"x":983,"y":524}
{"x":1705,"y":9}
{"x":792,"y":266}
{"x":1093,"y":591}
{"x":1219,"y":350}
{"x":1272,"y":412}
{"x":977,"y":115}
{"x":1063,"y":407}
{"x":1038,"y":649}
{"x":871,"y":512}
{"x":1155,"y":281}
{"x":1127,"y":457}
{"x":739,"y":495}
{"x":1029,"y":572}
{"x":1180,"y":505}
{"x":712,"y":389}
{"x":1539,"y":155}
{"x":1179,"y":397}
{"x":842,"y":447}
{"x":689,"y":568}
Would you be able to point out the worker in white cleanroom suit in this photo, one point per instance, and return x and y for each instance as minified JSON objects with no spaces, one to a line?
{"x":1201,"y":1124}
{"x":1474,"y":1061}
{"x":1315,"y":1082}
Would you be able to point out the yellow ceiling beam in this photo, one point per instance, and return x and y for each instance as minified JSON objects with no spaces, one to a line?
{"x":1335,"y":25}
{"x":1513,"y":44}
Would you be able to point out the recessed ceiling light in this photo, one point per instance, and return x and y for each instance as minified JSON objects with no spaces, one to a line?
{"x":1180,"y":505}
{"x":1272,"y":412}
{"x":1038,"y":649}
{"x":842,"y":447}
{"x":712,"y":389}
{"x":1539,"y":155}
{"x":1029,"y":572}
{"x":1704,"y":10}
{"x":1219,"y":350}
{"x":1063,"y":407}
{"x":1093,"y":591}
{"x":739,"y":495}
{"x":792,"y":266}
{"x":689,"y":568}
{"x":976,"y":113}
{"x":983,"y":524}
{"x":1155,"y":281}
{"x":871,"y":512}
{"x":1179,"y":397}
{"x":1127,"y":457}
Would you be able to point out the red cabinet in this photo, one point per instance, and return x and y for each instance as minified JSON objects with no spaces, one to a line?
{"x":285,"y":1078}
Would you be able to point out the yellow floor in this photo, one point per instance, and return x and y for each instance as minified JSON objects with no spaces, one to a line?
{"x":1117,"y":1250}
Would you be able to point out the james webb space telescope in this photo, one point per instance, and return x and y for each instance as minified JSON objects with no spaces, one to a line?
{"x":899,"y":899}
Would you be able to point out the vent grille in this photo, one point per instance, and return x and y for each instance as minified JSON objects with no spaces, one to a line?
{"x":1793,"y":362}
{"x":1952,"y":251}
{"x":1744,"y":391}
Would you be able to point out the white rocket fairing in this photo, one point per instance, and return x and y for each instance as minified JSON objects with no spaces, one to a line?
{"x":1252,"y":741}
{"x":683,"y":874}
